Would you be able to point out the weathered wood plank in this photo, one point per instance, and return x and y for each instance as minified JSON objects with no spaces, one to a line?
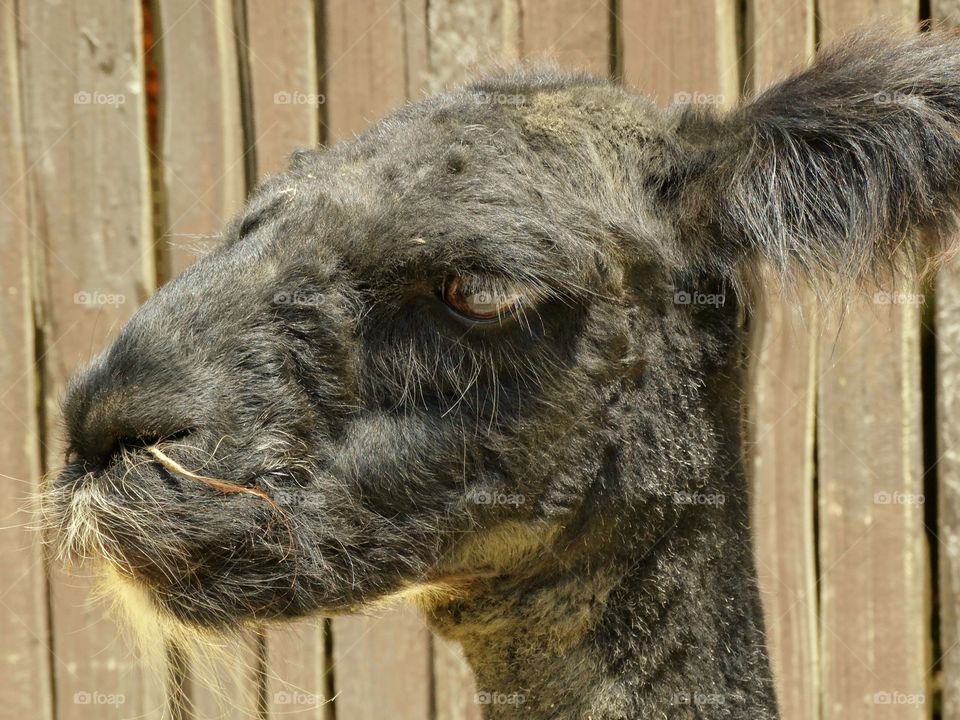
{"x":783,"y":361}
{"x":285,"y":92}
{"x":202,"y":147}
{"x":575,"y":33}
{"x":947,"y":328}
{"x":375,"y":56}
{"x":683,"y":50}
{"x":381,"y":667}
{"x":204,"y":180}
{"x":287,"y":103}
{"x":875,"y":650}
{"x":25,"y":664}
{"x":90,"y":216}
{"x":365,"y":66}
{"x":297,"y":671}
{"x":466,"y":38}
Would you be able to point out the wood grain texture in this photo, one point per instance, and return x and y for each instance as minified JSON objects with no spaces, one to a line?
{"x":25,"y":662}
{"x":297,"y":671}
{"x":287,"y":105}
{"x":467,"y":38}
{"x":204,"y":184}
{"x":375,"y":58}
{"x":681,"y":50}
{"x":947,"y":326}
{"x":948,"y":476}
{"x":285,"y":91}
{"x":365,"y":64}
{"x":82,"y":81}
{"x":575,"y":33}
{"x":874,"y":620}
{"x":201,"y":145}
{"x":382,"y":667}
{"x":782,"y":369}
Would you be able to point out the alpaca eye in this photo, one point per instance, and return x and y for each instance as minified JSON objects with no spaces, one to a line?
{"x":477,"y":300}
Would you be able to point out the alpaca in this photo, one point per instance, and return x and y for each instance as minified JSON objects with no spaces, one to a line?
{"x":488,"y":357}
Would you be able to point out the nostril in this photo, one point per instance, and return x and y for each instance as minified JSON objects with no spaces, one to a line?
{"x":99,"y":456}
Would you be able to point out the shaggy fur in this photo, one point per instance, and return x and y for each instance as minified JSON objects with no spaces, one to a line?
{"x":560,"y":491}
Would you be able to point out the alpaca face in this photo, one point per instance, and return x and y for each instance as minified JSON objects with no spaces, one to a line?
{"x":502,"y":321}
{"x":406,"y":345}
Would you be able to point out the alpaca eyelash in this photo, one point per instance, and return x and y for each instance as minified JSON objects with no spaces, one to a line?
{"x":482,"y":300}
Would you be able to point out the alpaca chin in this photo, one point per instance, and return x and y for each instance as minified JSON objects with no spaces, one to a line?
{"x":157,"y":633}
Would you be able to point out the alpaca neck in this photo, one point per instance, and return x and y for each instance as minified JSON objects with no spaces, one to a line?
{"x":639,"y":629}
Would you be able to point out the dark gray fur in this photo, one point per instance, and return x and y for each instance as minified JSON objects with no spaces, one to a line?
{"x":309,"y":356}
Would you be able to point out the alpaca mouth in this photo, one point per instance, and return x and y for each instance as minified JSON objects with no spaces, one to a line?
{"x":126,"y":514}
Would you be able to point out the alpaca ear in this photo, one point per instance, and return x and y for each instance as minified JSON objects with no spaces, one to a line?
{"x":847,"y":171}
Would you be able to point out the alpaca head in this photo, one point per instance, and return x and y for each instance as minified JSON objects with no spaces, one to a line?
{"x":502,"y":326}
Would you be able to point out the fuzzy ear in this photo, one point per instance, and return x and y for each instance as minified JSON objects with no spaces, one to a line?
{"x":847,"y":171}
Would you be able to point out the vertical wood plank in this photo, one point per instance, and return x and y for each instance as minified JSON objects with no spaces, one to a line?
{"x":468,"y":37}
{"x":25,"y":664}
{"x":874,"y":617}
{"x":202,"y":152}
{"x":90,"y":217}
{"x":285,"y":92}
{"x":382,"y":667}
{"x":365,"y":67}
{"x":675,"y":50}
{"x":780,"y":38}
{"x":375,"y":55}
{"x":948,"y":450}
{"x":576,"y":33}
{"x":286,"y":104}
{"x":203,"y":174}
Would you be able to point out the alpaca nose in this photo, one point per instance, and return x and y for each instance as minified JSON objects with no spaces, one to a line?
{"x":106,"y":411}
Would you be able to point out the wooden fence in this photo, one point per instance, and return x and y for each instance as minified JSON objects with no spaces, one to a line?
{"x":105,"y":193}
